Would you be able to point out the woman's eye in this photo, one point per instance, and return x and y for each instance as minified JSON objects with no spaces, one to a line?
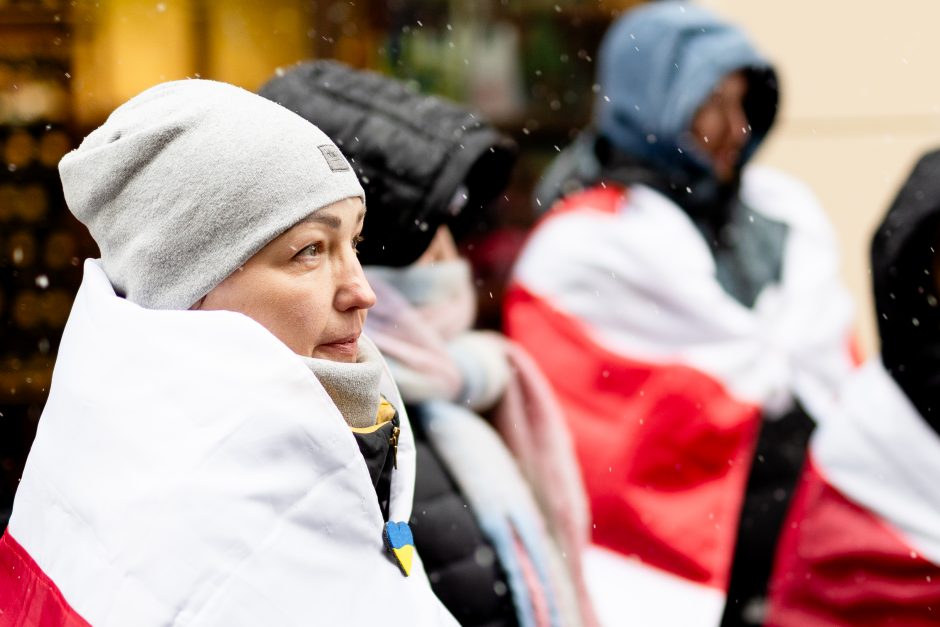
{"x":310,"y":251}
{"x":356,"y":241}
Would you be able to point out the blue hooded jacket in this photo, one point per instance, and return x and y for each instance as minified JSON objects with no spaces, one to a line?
{"x":657,"y":65}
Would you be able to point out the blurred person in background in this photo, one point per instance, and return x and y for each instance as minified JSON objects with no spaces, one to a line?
{"x":862,"y":547}
{"x":220,"y":446}
{"x":687,"y":308}
{"x":501,"y":536}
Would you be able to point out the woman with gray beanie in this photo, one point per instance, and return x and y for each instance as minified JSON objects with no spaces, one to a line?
{"x":221,"y":445}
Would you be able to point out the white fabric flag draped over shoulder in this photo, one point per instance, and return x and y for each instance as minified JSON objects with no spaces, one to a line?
{"x":189,"y":470}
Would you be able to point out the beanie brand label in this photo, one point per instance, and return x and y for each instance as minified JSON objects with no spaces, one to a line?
{"x":334,"y":158}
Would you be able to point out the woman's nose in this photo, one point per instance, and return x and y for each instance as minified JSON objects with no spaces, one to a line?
{"x":354,"y":291}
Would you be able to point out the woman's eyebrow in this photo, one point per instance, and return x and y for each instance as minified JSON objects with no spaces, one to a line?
{"x":332,"y":221}
{"x":325,"y":219}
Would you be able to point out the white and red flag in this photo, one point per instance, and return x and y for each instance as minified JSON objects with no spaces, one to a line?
{"x":861,"y":547}
{"x":665,"y":377}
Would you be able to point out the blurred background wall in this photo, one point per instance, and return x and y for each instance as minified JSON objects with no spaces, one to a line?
{"x":858,"y":107}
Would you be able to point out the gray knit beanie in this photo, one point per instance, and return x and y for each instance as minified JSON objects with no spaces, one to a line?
{"x":188,"y":180}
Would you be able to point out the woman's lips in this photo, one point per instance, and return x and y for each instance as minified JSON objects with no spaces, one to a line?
{"x":346,"y":347}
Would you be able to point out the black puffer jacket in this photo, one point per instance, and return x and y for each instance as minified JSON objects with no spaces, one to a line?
{"x":462,"y":565}
{"x":438,"y":146}
{"x":460,"y":562}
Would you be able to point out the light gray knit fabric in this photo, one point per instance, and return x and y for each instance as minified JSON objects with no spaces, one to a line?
{"x":186,"y":181}
{"x":353,"y":387}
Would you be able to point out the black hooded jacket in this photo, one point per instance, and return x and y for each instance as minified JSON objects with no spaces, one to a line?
{"x":903,"y":265}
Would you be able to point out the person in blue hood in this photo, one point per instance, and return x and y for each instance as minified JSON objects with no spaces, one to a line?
{"x":684,"y":100}
{"x":687,"y":306}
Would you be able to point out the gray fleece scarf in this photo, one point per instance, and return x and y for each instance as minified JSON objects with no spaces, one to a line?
{"x":353,"y":387}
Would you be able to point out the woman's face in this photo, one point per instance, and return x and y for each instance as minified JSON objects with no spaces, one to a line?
{"x":720,"y":126}
{"x":306,"y":286}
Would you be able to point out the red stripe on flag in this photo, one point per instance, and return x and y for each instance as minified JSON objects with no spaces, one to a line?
{"x":839,"y":565}
{"x":665,"y":450}
{"x":605,"y":199}
{"x":856,"y":350}
{"x":28,"y":598}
